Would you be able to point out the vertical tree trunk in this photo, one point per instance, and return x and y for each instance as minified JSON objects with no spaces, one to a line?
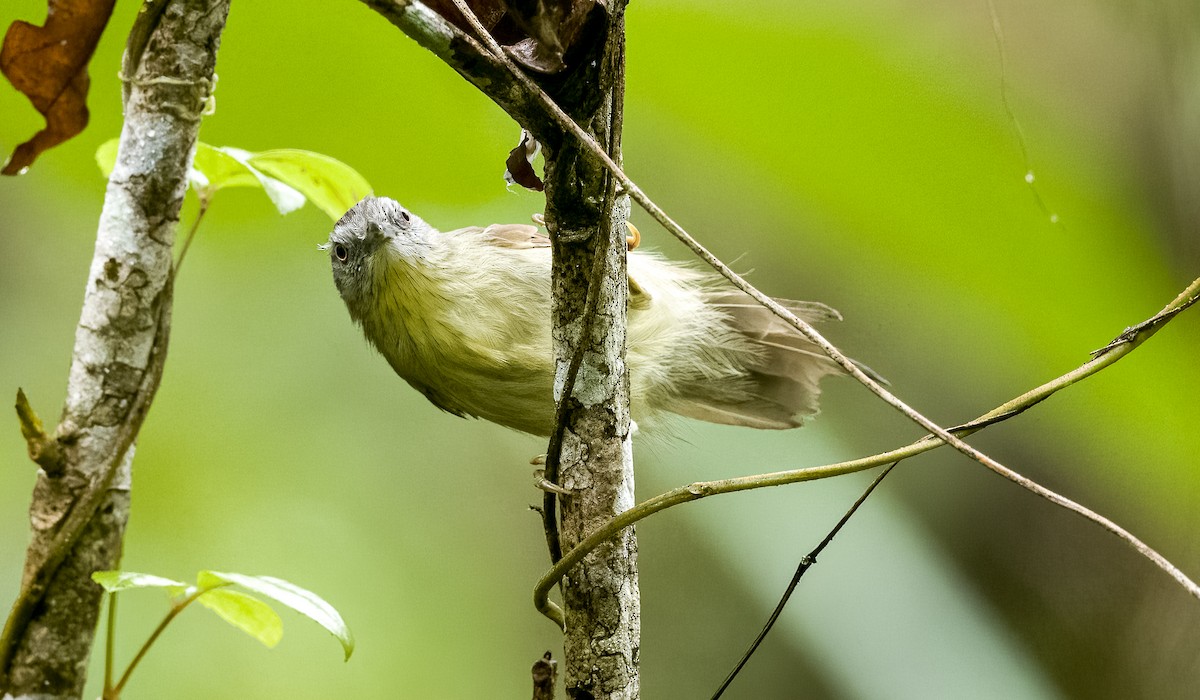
{"x":586,"y":220}
{"x":119,"y":349}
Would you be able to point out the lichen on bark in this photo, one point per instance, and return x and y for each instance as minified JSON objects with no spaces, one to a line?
{"x":79,"y":517}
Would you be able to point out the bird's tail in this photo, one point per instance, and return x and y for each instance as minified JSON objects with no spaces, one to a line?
{"x":780,"y":370}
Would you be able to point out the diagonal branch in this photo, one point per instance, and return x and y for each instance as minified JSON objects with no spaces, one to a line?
{"x":469,"y":59}
{"x":1125,"y":344}
{"x":805,"y":329}
{"x":505,"y":96}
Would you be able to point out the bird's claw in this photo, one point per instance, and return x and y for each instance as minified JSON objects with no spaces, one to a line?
{"x":540,"y":481}
{"x":634,"y":239}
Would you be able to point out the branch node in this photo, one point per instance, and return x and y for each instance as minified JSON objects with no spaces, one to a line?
{"x":1132,"y":333}
{"x":43,"y":449}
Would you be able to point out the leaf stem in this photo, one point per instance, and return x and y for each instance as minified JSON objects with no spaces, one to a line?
{"x":110,"y":646}
{"x":187,"y":242}
{"x":176,"y":608}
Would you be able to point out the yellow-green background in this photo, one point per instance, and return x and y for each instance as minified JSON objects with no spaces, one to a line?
{"x":858,"y":153}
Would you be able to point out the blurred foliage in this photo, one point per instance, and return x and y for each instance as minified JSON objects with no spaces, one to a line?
{"x":856,"y":153}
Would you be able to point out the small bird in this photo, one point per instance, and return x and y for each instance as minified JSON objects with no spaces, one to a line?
{"x":464,"y":317}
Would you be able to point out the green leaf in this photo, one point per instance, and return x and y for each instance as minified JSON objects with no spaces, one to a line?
{"x":302,"y":601}
{"x":245,"y":612}
{"x":106,"y":155}
{"x":288,"y":176}
{"x":213,"y":169}
{"x":114,"y":581}
{"x":217,"y":168}
{"x":328,"y":183}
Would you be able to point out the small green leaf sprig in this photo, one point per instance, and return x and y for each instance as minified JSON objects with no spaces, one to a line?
{"x":213,"y":590}
{"x":288,"y":176}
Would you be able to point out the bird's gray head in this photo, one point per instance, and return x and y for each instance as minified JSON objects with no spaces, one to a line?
{"x":365,"y":242}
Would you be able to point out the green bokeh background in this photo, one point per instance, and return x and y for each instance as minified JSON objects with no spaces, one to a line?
{"x":858,"y":153}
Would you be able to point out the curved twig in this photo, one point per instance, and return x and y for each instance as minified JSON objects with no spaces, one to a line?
{"x":438,"y":38}
{"x":1124,"y":344}
{"x":636,"y":193}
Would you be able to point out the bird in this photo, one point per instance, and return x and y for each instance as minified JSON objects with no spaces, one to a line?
{"x":463,"y":316}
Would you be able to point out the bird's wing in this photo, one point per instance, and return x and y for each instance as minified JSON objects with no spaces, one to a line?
{"x":517,"y":236}
{"x":780,"y":370}
{"x":524,"y":236}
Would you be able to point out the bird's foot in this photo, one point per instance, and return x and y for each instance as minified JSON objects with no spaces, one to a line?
{"x":540,"y":481}
{"x":634,"y":239}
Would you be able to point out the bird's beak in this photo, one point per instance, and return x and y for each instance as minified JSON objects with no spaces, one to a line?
{"x":375,"y":236}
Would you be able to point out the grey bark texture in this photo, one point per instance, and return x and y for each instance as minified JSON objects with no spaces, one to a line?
{"x":600,"y":596}
{"x":586,"y":221}
{"x":78,"y":514}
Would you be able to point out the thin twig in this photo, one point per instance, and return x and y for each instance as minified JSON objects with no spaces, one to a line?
{"x":998,"y":34}
{"x":42,"y":448}
{"x":943,"y":436}
{"x":187,"y":242}
{"x":698,"y":490}
{"x":703,"y":253}
{"x":812,"y":335}
{"x":805,"y":563}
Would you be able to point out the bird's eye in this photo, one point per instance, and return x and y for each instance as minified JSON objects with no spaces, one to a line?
{"x":339,"y":251}
{"x":404,"y":214}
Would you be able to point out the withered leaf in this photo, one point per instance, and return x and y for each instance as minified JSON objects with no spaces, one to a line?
{"x":536,"y":33}
{"x":535,"y":55}
{"x":545,"y":672}
{"x":49,"y":66}
{"x":551,"y":26}
{"x":489,"y":13}
{"x":520,"y":164}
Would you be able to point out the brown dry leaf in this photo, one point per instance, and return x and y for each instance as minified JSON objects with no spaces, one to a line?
{"x":489,"y":12}
{"x":545,"y":673}
{"x":520,"y":164}
{"x":49,"y":66}
{"x":551,"y":26}
{"x":536,"y":33}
